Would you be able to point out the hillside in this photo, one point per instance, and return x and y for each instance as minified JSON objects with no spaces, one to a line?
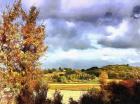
{"x":80,"y":75}
{"x":122,"y":71}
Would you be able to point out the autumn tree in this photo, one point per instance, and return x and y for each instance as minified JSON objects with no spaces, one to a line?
{"x":103,"y":77}
{"x":21,"y":43}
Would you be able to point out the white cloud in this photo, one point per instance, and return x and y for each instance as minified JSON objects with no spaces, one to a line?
{"x":70,"y":24}
{"x":106,"y":55}
{"x":117,"y":31}
{"x":126,"y":35}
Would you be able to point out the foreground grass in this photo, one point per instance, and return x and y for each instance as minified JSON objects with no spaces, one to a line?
{"x":67,"y":94}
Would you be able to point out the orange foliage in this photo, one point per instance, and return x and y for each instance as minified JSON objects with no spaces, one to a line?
{"x":21,"y":45}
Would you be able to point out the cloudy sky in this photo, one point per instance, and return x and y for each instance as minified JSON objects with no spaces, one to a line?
{"x":86,"y":33}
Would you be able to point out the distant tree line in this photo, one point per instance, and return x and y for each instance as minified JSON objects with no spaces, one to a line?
{"x":113,"y":71}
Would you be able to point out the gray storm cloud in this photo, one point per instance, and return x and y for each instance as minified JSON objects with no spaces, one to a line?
{"x":68,"y":27}
{"x":92,"y":13}
{"x":106,"y":12}
{"x":67,"y":35}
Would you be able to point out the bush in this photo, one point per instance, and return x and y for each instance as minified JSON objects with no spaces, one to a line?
{"x":41,"y":92}
{"x":37,"y":96}
{"x":119,"y":93}
{"x":125,"y":92}
{"x":71,"y":101}
{"x":62,"y":79}
{"x":25,"y":96}
{"x":136,"y":89}
{"x":57,"y":98}
{"x":91,"y":98}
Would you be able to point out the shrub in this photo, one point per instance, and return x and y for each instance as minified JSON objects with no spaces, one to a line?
{"x":25,"y":96}
{"x":41,"y":92}
{"x":125,"y":92}
{"x":92,"y":97}
{"x":38,"y":96}
{"x":119,"y":93}
{"x":136,"y":89}
{"x":62,"y":79}
{"x":71,"y":101}
{"x":57,"y":98}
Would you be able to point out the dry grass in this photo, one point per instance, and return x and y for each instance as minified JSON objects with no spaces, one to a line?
{"x":73,"y":87}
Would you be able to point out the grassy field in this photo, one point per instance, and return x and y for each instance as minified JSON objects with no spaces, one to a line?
{"x":78,"y":86}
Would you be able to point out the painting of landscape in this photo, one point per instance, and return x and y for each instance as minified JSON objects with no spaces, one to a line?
{"x":70,"y":52}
